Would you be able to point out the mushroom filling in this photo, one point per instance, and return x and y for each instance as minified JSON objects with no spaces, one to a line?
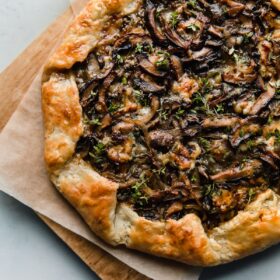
{"x":181,"y":107}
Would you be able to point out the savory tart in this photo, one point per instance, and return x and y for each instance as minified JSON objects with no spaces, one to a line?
{"x":162,"y":125}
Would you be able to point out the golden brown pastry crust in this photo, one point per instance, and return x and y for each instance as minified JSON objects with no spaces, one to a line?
{"x":94,"y":197}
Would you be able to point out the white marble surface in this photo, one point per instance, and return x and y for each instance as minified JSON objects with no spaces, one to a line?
{"x":28,"y":249}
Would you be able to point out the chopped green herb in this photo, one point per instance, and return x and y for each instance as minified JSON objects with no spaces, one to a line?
{"x":139,"y":48}
{"x":119,"y":59}
{"x":124,"y":81}
{"x":247,"y":37}
{"x":160,"y":171}
{"x":250,"y":144}
{"x":219,"y":108}
{"x":179,"y":114}
{"x":242,"y":165}
{"x":192,"y":3}
{"x":174,"y":19}
{"x":251,"y":194}
{"x":270,"y":119}
{"x":241,"y":133}
{"x":277,"y":136}
{"x":205,"y":84}
{"x":194,"y":178}
{"x":137,"y":195}
{"x":98,"y":154}
{"x":141,"y":98}
{"x":204,"y":143}
{"x":209,"y":190}
{"x":149,"y":48}
{"x":114,"y":107}
{"x":163,"y":115}
{"x":193,"y":27}
{"x":201,"y":104}
{"x":94,"y":121}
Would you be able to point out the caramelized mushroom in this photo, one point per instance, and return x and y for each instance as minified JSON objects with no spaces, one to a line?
{"x":246,"y":170}
{"x":220,"y":122}
{"x":150,"y":68}
{"x":121,"y":153}
{"x":160,"y":138}
{"x":263,"y":100}
{"x":154,"y":29}
{"x":148,"y":85}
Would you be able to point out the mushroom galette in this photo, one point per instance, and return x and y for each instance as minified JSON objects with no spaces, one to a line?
{"x":162,"y":124}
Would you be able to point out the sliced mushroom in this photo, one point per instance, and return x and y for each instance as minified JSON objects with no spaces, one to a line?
{"x":269,"y":159}
{"x":224,"y":200}
{"x":220,"y":122}
{"x":161,"y":138}
{"x":246,"y":170}
{"x":129,"y":104}
{"x":241,"y":73}
{"x":220,"y":149}
{"x":176,"y":66}
{"x":154,"y":28}
{"x":184,"y":158}
{"x":203,"y":171}
{"x":176,"y":39}
{"x":263,"y":100}
{"x":148,"y":85}
{"x":106,"y":121}
{"x":275,"y":108}
{"x":147,"y":113}
{"x":201,"y":55}
{"x":174,"y":208}
{"x":234,"y":7}
{"x":244,"y":104}
{"x":216,"y":31}
{"x":185,"y":87}
{"x":243,"y":132}
{"x":150,"y":68}
{"x":121,"y":153}
{"x":123,"y":127}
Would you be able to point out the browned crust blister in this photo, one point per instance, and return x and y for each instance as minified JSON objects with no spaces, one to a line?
{"x":94,"y":197}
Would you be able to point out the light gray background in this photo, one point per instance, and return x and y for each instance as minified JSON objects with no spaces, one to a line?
{"x":28,"y":249}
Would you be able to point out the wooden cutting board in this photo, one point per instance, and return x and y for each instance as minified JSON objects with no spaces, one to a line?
{"x":14,"y":82}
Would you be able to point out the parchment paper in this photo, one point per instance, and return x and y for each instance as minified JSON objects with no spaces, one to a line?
{"x":23,"y":176}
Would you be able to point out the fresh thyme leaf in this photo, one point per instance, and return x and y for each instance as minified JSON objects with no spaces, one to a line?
{"x":209,"y":190}
{"x":250,"y":144}
{"x":219,"y":108}
{"x":277,"y":136}
{"x":124,"y":81}
{"x":119,"y":59}
{"x":241,"y":133}
{"x":94,"y":121}
{"x":163,"y":62}
{"x":192,"y":3}
{"x":160,"y":171}
{"x":114,"y":107}
{"x":204,"y":143}
{"x":137,"y":195}
{"x":194,"y":178}
{"x":251,"y":194}
{"x":174,"y":19}
{"x":139,"y":48}
{"x":193,"y":27}
{"x":179,"y":114}
{"x":98,"y":154}
{"x":270,"y":119}
{"x":247,"y":37}
{"x":163,"y":115}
